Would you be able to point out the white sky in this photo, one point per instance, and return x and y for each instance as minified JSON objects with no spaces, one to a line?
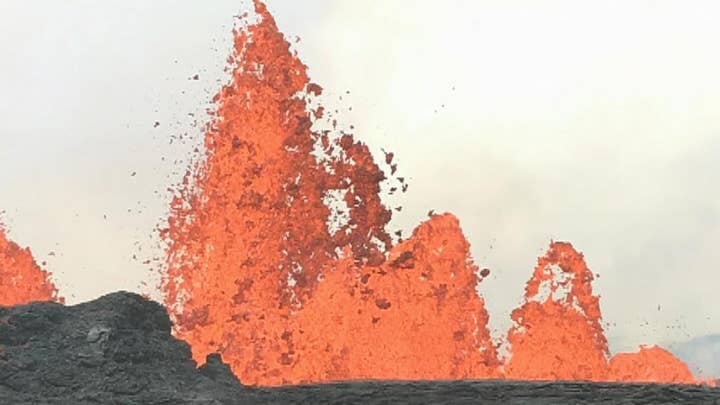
{"x":530,"y":120}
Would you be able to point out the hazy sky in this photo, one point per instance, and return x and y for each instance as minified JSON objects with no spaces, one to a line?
{"x":530,"y":120}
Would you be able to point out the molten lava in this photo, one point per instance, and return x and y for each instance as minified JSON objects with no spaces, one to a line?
{"x":278,"y":258}
{"x":417,"y":316}
{"x":558,"y":336}
{"x":650,"y":364}
{"x":21,"y":279}
{"x":248,"y":235}
{"x":249,"y":244}
{"x":562,"y":317}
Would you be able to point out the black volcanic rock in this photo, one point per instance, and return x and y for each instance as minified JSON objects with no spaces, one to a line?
{"x":118,"y":350}
{"x":114,"y":350}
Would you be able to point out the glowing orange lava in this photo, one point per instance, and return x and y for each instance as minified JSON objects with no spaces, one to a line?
{"x":417,"y":316}
{"x":279,"y":258}
{"x":562,"y":317}
{"x":650,"y":364}
{"x":248,"y":236}
{"x":558,"y":335}
{"x":21,"y":279}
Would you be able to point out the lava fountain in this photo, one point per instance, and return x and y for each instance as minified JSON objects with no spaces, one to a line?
{"x":21,"y":279}
{"x":249,"y":245}
{"x":558,"y":334}
{"x":278,"y":258}
{"x":562,"y":316}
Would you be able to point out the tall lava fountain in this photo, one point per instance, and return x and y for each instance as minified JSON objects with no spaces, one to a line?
{"x":255,"y":272}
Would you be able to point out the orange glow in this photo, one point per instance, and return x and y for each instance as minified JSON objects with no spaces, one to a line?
{"x":21,"y":279}
{"x":292,"y":285}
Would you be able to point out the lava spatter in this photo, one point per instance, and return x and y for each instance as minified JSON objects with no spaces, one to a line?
{"x":21,"y":279}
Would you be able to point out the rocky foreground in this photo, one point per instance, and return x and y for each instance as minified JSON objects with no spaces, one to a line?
{"x":118,"y":350}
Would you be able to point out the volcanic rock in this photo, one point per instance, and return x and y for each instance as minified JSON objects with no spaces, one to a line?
{"x":115,"y":350}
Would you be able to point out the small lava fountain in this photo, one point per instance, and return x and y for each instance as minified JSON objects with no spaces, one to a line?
{"x":21,"y":279}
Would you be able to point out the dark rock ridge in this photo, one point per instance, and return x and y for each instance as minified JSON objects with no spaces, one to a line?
{"x":115,"y":350}
{"x":118,"y":350}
